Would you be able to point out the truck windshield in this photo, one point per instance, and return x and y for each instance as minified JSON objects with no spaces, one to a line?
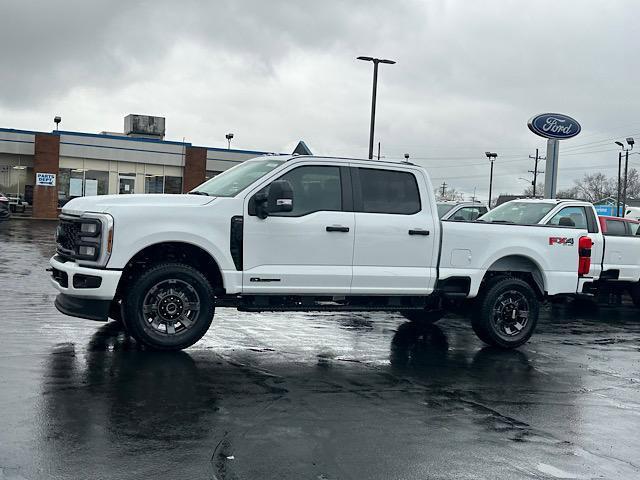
{"x":521,"y":213}
{"x":236,"y":179}
{"x":444,"y":208}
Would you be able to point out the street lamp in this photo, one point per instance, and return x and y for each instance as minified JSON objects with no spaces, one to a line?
{"x":375,"y":61}
{"x":630,"y":142}
{"x":229,"y":136}
{"x":57,"y":119}
{"x":491,"y":156}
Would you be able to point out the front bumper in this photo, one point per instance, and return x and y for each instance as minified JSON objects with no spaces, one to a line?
{"x":89,"y":308}
{"x":67,"y":270}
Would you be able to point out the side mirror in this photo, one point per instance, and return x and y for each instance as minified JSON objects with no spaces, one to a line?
{"x":280,"y":197}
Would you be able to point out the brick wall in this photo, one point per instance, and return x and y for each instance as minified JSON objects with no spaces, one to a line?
{"x":195,"y":167}
{"x":46,"y":160}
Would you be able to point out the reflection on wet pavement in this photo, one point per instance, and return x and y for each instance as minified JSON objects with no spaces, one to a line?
{"x":308,"y":395}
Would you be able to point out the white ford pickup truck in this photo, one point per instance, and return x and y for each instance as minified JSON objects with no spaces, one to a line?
{"x":615,"y":254}
{"x":304,"y":233}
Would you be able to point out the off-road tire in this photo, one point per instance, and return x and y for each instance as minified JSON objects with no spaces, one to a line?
{"x":153,"y":290}
{"x":494,"y":312}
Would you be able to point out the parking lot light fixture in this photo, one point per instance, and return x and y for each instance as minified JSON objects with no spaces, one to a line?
{"x":491,"y":156}
{"x":630,"y":142}
{"x":375,"y":61}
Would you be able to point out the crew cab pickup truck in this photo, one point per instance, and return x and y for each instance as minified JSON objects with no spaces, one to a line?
{"x":615,"y":250}
{"x":303,"y":233}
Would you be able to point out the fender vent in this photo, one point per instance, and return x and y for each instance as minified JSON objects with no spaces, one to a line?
{"x":235,"y":242}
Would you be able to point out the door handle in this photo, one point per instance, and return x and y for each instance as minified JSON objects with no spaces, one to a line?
{"x":337,"y":228}
{"x":419,"y":232}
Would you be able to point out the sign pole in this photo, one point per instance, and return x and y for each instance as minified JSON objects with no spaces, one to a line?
{"x":551,"y":171}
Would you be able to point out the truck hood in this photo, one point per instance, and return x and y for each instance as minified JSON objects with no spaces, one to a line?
{"x":107,"y":203}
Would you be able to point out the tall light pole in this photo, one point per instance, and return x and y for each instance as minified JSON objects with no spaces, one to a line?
{"x":57,"y":119}
{"x":375,"y":61}
{"x":630,"y":142}
{"x":491,"y":156}
{"x":229,"y":136}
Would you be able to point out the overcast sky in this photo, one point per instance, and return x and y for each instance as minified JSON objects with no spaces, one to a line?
{"x":469,"y":75}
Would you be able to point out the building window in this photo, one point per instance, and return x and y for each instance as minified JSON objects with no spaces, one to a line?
{"x":172,"y":184}
{"x":153,"y":183}
{"x":96,"y":182}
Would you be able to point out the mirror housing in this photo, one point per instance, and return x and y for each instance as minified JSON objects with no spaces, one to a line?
{"x":280,"y":197}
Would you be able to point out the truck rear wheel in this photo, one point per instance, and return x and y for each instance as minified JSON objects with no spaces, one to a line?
{"x":506,"y":313}
{"x":169,"y":307}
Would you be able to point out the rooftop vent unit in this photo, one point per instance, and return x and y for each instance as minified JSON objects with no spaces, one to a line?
{"x":144,"y":126}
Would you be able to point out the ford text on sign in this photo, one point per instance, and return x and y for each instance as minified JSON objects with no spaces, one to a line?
{"x":46,"y":179}
{"x":554,"y":125}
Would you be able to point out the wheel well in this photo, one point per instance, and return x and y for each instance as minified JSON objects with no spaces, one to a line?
{"x":520,"y":267}
{"x":181,"y":252}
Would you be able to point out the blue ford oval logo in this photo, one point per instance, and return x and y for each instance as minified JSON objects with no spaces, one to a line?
{"x":554,"y":125}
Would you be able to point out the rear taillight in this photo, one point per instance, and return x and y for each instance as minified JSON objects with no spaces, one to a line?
{"x":584,"y":255}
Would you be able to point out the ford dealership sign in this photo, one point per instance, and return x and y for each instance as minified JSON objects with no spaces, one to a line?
{"x":554,"y":125}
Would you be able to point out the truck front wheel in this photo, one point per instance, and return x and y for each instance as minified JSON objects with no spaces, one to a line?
{"x":169,"y":307}
{"x":507,"y":313}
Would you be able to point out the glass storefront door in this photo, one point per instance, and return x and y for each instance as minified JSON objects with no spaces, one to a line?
{"x":126,"y":184}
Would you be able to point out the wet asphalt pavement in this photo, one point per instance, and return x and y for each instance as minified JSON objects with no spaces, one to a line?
{"x":308,"y":396}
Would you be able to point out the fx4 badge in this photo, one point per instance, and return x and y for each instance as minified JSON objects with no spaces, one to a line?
{"x":560,"y":241}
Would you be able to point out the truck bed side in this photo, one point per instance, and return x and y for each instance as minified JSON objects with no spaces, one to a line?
{"x":470,"y":249}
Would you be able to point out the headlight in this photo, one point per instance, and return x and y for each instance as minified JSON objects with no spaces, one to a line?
{"x":87,"y":238}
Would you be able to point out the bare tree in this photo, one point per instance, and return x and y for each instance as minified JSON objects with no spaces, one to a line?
{"x":450,"y":194}
{"x":594,"y":187}
{"x":539,"y":190}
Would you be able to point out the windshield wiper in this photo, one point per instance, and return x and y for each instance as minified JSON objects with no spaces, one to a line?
{"x":198,"y":192}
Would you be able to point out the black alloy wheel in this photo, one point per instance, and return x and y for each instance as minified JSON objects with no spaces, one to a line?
{"x":169,"y":307}
{"x":506,"y":312}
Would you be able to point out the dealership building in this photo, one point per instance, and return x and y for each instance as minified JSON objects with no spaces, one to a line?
{"x":47,"y":169}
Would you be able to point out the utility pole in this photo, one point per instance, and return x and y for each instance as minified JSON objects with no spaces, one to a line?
{"x":444,"y":188}
{"x":535,"y":170}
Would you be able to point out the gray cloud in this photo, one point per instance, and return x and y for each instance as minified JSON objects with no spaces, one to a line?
{"x":469,"y":75}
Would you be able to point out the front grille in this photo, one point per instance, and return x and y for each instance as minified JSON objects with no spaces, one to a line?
{"x":67,"y":237}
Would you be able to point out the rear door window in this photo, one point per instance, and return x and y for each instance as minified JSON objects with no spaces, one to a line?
{"x":387,"y":191}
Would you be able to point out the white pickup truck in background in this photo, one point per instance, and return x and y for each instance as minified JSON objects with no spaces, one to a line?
{"x":305,"y":233}
{"x":615,"y":257}
{"x":461,"y":211}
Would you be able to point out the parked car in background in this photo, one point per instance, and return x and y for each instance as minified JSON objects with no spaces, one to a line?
{"x":619,"y":226}
{"x":4,"y":207}
{"x":461,"y":211}
{"x":17,"y":203}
